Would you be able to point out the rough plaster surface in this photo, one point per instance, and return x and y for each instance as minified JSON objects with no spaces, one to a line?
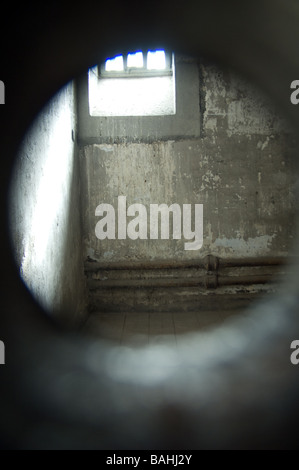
{"x":237,"y":107}
{"x":239,"y":168}
{"x":44,"y":212}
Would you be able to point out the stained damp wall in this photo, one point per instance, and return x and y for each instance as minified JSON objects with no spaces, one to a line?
{"x":227,"y":148}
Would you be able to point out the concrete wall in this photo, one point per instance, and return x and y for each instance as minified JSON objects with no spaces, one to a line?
{"x":45,"y":216}
{"x":237,"y":164}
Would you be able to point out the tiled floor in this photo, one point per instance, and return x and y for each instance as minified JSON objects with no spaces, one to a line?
{"x":148,"y":328}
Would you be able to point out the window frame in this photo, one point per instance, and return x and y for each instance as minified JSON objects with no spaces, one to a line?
{"x":186,"y":123}
{"x":139,"y":71}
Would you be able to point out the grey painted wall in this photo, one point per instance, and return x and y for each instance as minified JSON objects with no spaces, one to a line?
{"x":234,"y":158}
{"x":45,"y":215}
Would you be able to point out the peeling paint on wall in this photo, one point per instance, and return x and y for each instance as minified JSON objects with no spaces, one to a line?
{"x":240,"y":169}
{"x":238,"y":247}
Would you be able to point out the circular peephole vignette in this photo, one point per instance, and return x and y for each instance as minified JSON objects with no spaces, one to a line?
{"x":287,"y":303}
{"x":228,"y":252}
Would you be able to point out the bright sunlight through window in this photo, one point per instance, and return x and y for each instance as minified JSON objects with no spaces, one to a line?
{"x":151,"y":60}
{"x":140,"y":83}
{"x":156,"y":60}
{"x":135,"y":60}
{"x":115,"y":65}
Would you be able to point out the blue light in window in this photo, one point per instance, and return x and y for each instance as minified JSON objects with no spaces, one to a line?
{"x":135,"y":60}
{"x":156,"y":60}
{"x":115,"y":65}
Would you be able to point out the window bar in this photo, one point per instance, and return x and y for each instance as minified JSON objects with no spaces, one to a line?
{"x":168,"y":60}
{"x":145,"y":59}
{"x":125,"y":62}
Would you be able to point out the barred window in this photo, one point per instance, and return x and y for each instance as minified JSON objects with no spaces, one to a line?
{"x":139,"y":83}
{"x":138,"y":64}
